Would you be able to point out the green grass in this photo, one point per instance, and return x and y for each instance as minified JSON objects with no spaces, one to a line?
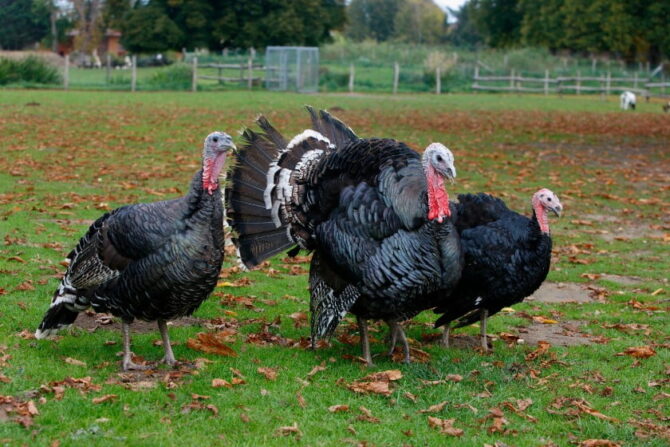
{"x":77,"y":153}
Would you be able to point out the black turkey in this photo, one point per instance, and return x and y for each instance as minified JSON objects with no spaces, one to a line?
{"x":151,"y":261}
{"x":507,"y":257}
{"x":374,"y":212}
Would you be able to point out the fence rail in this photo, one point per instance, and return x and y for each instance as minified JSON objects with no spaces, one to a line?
{"x":563,"y":84}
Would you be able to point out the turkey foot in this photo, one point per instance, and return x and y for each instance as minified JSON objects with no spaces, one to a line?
{"x":397,"y":331}
{"x":128,"y":364}
{"x":365,"y":343}
{"x":169,"y":358}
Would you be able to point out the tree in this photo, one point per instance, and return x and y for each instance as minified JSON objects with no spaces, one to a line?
{"x":114,"y":13}
{"x":499,"y":21}
{"x":23,"y":22}
{"x":150,"y":29}
{"x":420,"y":21}
{"x":464,"y":32}
{"x":372,"y":19}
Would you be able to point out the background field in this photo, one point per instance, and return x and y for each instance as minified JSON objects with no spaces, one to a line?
{"x":67,"y":156}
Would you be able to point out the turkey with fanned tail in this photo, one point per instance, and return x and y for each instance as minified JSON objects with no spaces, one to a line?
{"x":374,"y":212}
{"x":151,"y":261}
{"x":507,"y":257}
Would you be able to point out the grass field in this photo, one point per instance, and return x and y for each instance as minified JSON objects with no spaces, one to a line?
{"x":67,"y":156}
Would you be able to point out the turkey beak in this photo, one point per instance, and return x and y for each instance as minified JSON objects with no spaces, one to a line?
{"x":557,"y":210}
{"x":450,"y":173}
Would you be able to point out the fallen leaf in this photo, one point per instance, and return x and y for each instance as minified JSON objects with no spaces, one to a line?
{"x":211,"y":343}
{"x":543,"y":348}
{"x":269,"y":373}
{"x":446,"y":426}
{"x":290,"y":430}
{"x":221,"y":383}
{"x":366,"y":416}
{"x":105,"y":398}
{"x":598,"y":443}
{"x":75,"y":362}
{"x":544,"y":320}
{"x":641,"y":352}
{"x":435,"y":408}
{"x":338,"y":408}
{"x":315,"y":370}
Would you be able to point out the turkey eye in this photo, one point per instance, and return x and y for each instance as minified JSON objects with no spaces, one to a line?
{"x":215,"y":139}
{"x":549,"y":199}
{"x":439,"y":158}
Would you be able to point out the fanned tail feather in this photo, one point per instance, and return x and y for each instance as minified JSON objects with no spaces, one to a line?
{"x":335,"y":130}
{"x":56,"y":318}
{"x":261,"y":186}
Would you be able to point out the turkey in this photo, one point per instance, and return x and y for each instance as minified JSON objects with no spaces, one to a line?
{"x":507,"y":257}
{"x":374,"y":212}
{"x":151,"y":261}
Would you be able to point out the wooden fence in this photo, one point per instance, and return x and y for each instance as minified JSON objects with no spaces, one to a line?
{"x":604,"y":85}
{"x":246,"y":73}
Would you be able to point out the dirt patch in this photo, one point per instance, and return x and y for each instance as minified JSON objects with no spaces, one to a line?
{"x":601,"y":217}
{"x":557,"y":292}
{"x":92,"y":322}
{"x":565,"y":334}
{"x":631,"y":231}
{"x":623,"y":280}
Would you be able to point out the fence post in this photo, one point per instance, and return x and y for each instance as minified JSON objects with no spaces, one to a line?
{"x":396,"y":76}
{"x":511,"y":80}
{"x":352,"y":75}
{"x":133,"y":74}
{"x":579,"y":82}
{"x":609,"y":83}
{"x":546,"y":82}
{"x":250,"y":72}
{"x":66,"y":72}
{"x":594,"y":62}
{"x":108,"y":72}
{"x":438,"y":81}
{"x":194,"y":82}
{"x":635,"y":79}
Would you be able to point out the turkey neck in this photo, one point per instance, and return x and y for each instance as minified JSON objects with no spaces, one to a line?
{"x":211,"y":168}
{"x":540,"y":214}
{"x":438,"y":199}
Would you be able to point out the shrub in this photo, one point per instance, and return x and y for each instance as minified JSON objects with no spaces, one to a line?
{"x":176,"y":77}
{"x":31,"y":69}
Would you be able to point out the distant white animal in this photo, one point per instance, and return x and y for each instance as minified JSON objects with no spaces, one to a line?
{"x":628,"y":100}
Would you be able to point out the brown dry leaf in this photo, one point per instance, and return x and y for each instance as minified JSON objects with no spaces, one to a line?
{"x":371,"y":387}
{"x":299,"y":319}
{"x":388,"y":375}
{"x":544,"y":320}
{"x":453,"y":378}
{"x":315,"y":370}
{"x":290,"y":430}
{"x":301,"y":399}
{"x":26,"y":285}
{"x":641,"y":352}
{"x":105,"y":398}
{"x":435,"y":408}
{"x":366,"y":416}
{"x":269,"y":373}
{"x":75,"y":362}
{"x":542,"y":348}
{"x":446,"y":426}
{"x":598,"y":443}
{"x":211,"y":343}
{"x":410,"y":396}
{"x":338,"y":408}
{"x":140,"y":385}
{"x":221,"y":383}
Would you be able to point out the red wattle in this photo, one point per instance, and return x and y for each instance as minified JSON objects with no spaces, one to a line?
{"x":438,"y":199}
{"x":210,"y":172}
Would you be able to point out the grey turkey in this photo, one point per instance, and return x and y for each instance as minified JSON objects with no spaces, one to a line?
{"x":507,"y":257}
{"x":374,"y":212}
{"x":149,"y":261}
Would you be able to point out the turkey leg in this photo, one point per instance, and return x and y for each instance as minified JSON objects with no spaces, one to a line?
{"x":365,"y":343}
{"x":445,"y":335}
{"x":128,"y":363}
{"x":397,"y":329}
{"x":482,"y":327}
{"x":393,"y":337}
{"x":169,"y":355}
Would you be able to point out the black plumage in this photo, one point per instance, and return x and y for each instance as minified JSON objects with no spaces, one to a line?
{"x":151,"y":261}
{"x":507,"y":257}
{"x":362,"y":206}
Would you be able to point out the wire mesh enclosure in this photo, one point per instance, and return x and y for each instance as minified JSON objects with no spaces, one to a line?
{"x":292,"y":68}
